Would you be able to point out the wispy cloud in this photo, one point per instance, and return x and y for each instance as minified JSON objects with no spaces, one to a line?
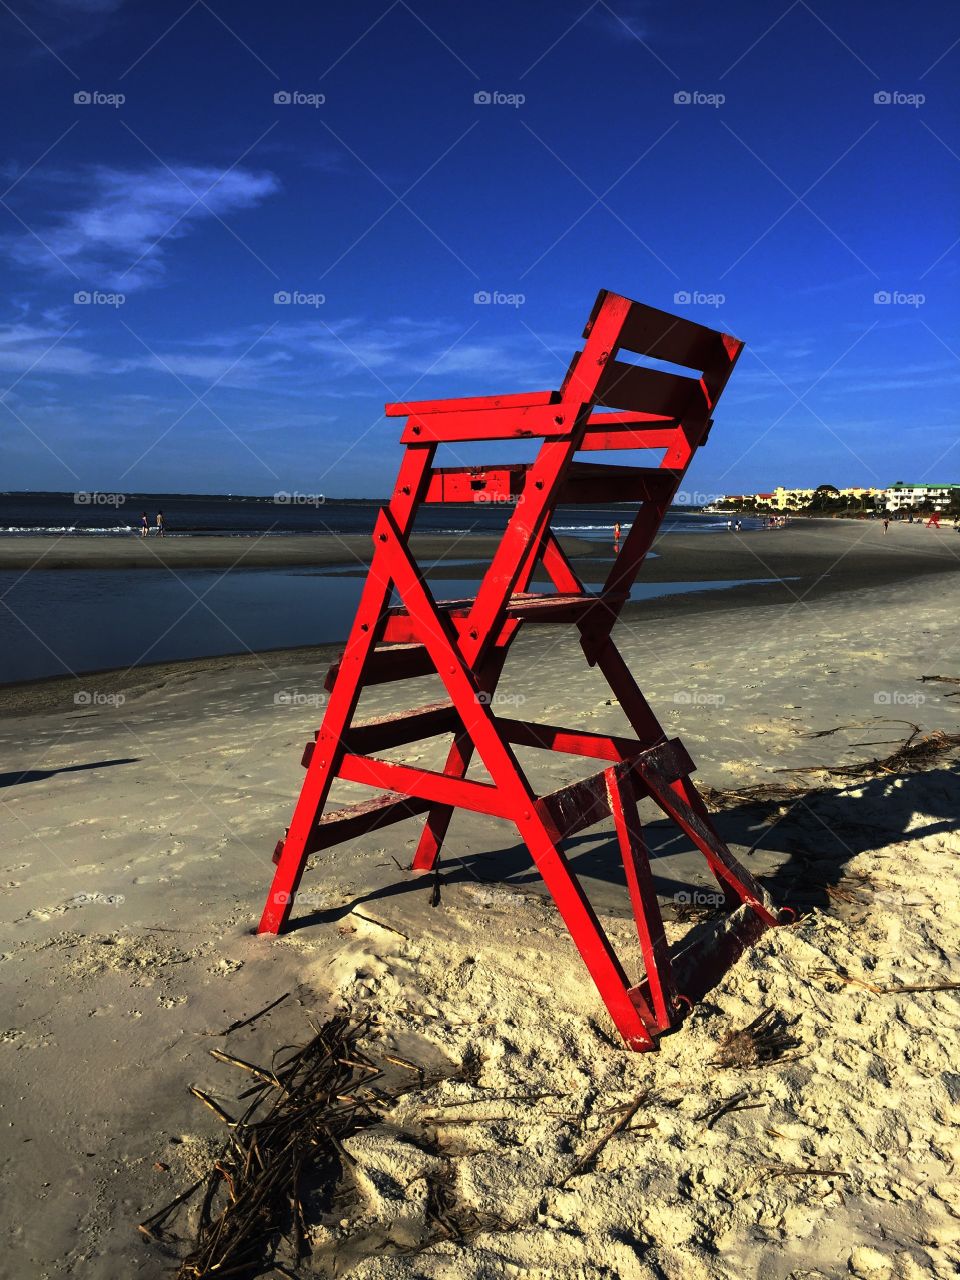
{"x":404,"y":349}
{"x":24,"y":347}
{"x":335,"y":360}
{"x":120,"y":238}
{"x":212,"y":368}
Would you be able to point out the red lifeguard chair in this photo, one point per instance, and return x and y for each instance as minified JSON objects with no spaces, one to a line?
{"x":605,"y":403}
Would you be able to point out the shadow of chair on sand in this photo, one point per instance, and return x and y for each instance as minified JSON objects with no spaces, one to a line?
{"x":808,"y":839}
{"x":17,"y":777}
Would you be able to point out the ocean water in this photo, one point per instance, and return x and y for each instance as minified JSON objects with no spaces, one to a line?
{"x":63,"y":622}
{"x":118,"y":515}
{"x":67,"y":622}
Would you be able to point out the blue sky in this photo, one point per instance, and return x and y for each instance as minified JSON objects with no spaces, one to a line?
{"x":777,"y":201}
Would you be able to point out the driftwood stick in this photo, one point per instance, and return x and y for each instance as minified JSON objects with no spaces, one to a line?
{"x":245,"y":1022}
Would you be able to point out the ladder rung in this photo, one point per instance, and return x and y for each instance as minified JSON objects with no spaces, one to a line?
{"x":402,"y":727}
{"x":390,"y":662}
{"x":399,"y":629}
{"x":604,"y":434}
{"x":520,"y":423}
{"x":575,"y":742}
{"x":476,"y":484}
{"x":525,"y":606}
{"x":555,"y":607}
{"x":428,"y":785}
{"x":662,"y":336}
{"x":359,"y":819}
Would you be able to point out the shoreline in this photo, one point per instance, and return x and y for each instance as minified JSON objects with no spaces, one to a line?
{"x":90,"y":552}
{"x":807,"y":565}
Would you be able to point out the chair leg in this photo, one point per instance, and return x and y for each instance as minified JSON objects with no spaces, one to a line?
{"x":643,"y":896}
{"x":629,"y":1011}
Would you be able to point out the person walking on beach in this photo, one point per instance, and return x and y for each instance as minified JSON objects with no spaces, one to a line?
{"x":886,"y":524}
{"x":161,"y":525}
{"x":144,"y":524}
{"x":616,"y":536}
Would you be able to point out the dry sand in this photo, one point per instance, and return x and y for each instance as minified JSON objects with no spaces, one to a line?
{"x":135,"y":860}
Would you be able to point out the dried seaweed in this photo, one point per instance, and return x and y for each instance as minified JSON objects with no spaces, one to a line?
{"x":831,"y":975}
{"x":252,"y":1197}
{"x":918,"y":750}
{"x":452,"y":1219}
{"x":767,"y":1038}
{"x":763,"y":795}
{"x":288,"y":1146}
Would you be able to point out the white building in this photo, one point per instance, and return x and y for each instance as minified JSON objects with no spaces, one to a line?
{"x":901,"y":496}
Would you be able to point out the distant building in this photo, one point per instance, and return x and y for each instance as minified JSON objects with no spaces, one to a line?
{"x":783,"y":499}
{"x":900,"y":496}
{"x":790,"y":499}
{"x":861,"y":493}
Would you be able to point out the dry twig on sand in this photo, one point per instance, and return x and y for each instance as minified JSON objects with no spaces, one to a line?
{"x":831,"y":975}
{"x":800,"y":1171}
{"x":943,"y":680}
{"x":254,"y":1017}
{"x":588,"y":1157}
{"x":380,"y":925}
{"x":764,"y":1040}
{"x":737,"y":1103}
